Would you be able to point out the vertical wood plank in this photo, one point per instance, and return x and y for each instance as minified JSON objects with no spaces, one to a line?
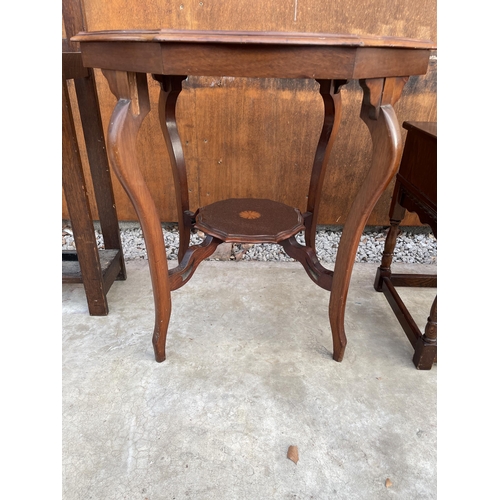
{"x":250,"y":137}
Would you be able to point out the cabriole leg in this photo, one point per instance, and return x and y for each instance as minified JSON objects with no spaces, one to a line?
{"x":131,"y":91}
{"x":379,"y":96}
{"x":396,"y":214}
{"x":330,"y":93}
{"x":171,"y":87}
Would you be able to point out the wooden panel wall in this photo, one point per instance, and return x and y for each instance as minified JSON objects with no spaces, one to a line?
{"x":256,"y":138}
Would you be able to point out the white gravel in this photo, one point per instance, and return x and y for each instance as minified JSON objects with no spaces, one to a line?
{"x":417,"y":246}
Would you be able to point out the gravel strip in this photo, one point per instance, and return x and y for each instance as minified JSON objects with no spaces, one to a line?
{"x":418,"y":246}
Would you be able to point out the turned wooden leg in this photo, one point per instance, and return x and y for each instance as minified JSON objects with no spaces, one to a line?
{"x":377,"y":112}
{"x":396,"y":214}
{"x":330,"y":92}
{"x":426,"y":346}
{"x":131,"y":90}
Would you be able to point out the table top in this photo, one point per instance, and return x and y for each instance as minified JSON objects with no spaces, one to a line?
{"x":254,"y":54}
{"x":252,"y":37}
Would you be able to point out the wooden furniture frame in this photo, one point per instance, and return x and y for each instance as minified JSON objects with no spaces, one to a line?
{"x":382,"y":66}
{"x":416,"y":191}
{"x":96,"y":269}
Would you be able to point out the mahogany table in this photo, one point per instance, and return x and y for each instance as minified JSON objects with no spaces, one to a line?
{"x":382,"y":66}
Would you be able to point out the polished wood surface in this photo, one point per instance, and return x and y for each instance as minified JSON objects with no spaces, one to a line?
{"x":248,"y":220}
{"x":330,"y":93}
{"x":381,"y":64}
{"x":415,"y":191}
{"x":171,"y":87}
{"x":255,"y":55}
{"x":252,"y":37}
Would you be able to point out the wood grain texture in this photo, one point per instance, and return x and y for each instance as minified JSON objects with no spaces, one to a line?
{"x":97,"y":269}
{"x":378,"y":114}
{"x":74,"y":185}
{"x":394,"y":18}
{"x":171,"y":87}
{"x":269,"y":38}
{"x":131,"y":92}
{"x":249,"y":220}
{"x":223,"y":120}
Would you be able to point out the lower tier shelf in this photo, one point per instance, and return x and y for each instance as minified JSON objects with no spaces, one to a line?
{"x":249,"y":220}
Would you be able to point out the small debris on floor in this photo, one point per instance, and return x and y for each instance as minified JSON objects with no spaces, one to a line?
{"x":293,"y":454}
{"x":223,"y":252}
{"x":240,"y":250}
{"x":388,"y":483}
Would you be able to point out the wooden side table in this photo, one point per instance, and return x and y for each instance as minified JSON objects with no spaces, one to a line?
{"x":381,"y":65}
{"x":416,"y":191}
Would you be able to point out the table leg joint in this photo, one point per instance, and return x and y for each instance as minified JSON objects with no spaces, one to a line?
{"x":307,"y":257}
{"x":194,"y":255}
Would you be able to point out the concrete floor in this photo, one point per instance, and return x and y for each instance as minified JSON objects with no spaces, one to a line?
{"x":248,"y":373}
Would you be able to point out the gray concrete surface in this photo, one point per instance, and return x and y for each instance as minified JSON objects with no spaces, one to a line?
{"x":248,"y":373}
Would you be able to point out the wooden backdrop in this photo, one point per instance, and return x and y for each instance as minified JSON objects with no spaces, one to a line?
{"x":257,"y":138}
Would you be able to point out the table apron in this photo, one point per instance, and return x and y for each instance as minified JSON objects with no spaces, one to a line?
{"x":255,"y":61}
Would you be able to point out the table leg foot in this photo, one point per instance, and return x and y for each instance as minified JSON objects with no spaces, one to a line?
{"x":160,"y":338}
{"x":382,"y":272}
{"x":339,"y":349}
{"x":426,"y":346}
{"x":425,"y":355}
{"x":162,"y":320}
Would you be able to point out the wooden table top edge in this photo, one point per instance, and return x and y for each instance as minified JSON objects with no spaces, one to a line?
{"x":253,"y":37}
{"x":429,"y":128}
